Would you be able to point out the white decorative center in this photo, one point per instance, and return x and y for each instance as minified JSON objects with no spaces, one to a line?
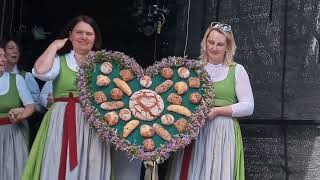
{"x":146,"y":105}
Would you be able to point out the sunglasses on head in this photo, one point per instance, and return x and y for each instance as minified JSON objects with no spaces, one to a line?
{"x":221,"y":26}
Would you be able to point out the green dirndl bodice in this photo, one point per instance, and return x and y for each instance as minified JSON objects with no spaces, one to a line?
{"x":11,"y":99}
{"x":225,"y":95}
{"x":62,"y":86}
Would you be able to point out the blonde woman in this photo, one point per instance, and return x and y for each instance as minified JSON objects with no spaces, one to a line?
{"x":217,"y":154}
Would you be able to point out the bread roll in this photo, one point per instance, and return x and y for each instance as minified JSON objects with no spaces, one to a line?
{"x":194,"y":82}
{"x":183,"y":72}
{"x":180,"y":110}
{"x":162,"y":132}
{"x":123,"y":86}
{"x":112,"y":105}
{"x":195,"y":98}
{"x":100,"y":97}
{"x":126,"y":74}
{"x":111,"y":118}
{"x":181,"y":124}
{"x":174,"y":98}
{"x":167,"y":119}
{"x":146,"y":131}
{"x":129,"y":127}
{"x":106,"y":68}
{"x":167,"y":73}
{"x":146,"y":81}
{"x":125,"y":114}
{"x":163,"y":87}
{"x":116,"y":94}
{"x":148,"y":145}
{"x":102,"y":80}
{"x":181,"y":87}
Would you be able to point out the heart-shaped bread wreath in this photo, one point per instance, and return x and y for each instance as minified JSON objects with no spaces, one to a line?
{"x":147,"y":113}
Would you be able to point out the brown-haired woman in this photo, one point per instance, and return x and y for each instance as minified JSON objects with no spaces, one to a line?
{"x":66,"y":147}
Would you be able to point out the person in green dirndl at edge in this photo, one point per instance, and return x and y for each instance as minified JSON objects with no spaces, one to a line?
{"x":66,"y":147}
{"x":14,"y":50}
{"x":217,"y":153}
{"x":16,"y":105}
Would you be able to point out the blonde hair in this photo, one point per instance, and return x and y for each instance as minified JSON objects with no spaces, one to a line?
{"x":231,"y":46}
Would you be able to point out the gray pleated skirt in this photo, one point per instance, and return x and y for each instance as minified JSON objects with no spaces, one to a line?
{"x":213,"y":153}
{"x":13,"y":151}
{"x":94,"y":161}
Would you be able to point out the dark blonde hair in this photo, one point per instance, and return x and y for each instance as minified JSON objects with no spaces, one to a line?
{"x":231,"y":46}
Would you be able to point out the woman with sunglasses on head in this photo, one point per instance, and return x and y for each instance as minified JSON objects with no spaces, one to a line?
{"x":217,"y":153}
{"x":16,"y":104}
{"x":66,"y":147}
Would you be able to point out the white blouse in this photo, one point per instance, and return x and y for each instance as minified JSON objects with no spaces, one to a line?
{"x":44,"y":94}
{"x":245,"y":105}
{"x":32,"y":85}
{"x":23,"y":90}
{"x":54,"y":71}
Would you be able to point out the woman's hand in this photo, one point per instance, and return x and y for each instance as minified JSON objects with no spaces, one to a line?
{"x":58,"y":44}
{"x":212,"y":113}
{"x":44,"y":63}
{"x":15,"y":115}
{"x":219,"y":111}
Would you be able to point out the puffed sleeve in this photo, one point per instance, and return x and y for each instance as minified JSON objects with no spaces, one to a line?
{"x":52,"y":74}
{"x":23,"y":90}
{"x":245,"y":105}
{"x":46,"y":89}
{"x":34,"y":89}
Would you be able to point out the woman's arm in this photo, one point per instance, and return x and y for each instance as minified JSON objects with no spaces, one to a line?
{"x":23,"y":91}
{"x":44,"y":63}
{"x":34,"y":90}
{"x":46,"y":94}
{"x":19,"y":114}
{"x":245,"y":105}
{"x":220,"y":111}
